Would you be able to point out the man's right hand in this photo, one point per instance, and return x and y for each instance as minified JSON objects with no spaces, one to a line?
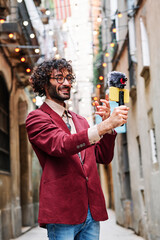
{"x":118,"y":117}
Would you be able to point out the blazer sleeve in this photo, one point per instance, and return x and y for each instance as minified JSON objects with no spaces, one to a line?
{"x":104,"y":149}
{"x":47,"y":136}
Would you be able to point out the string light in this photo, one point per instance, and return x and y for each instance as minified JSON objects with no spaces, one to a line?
{"x":10,"y":35}
{"x":98,"y":86}
{"x":37,"y":50}
{"x":104,"y":64}
{"x":25,"y":23}
{"x":50,"y":32}
{"x":108,"y":45}
{"x":34,"y":100}
{"x":54,"y":49}
{"x":48,"y":12}
{"x":99,"y":19}
{"x":57,"y":56}
{"x":114,"y":30}
{"x":28,"y":70}
{"x":112,"y":44}
{"x":95,"y":32}
{"x":23,"y":59}
{"x":2,"y":20}
{"x":101,"y":78}
{"x":119,"y":14}
{"x":95,"y":98}
{"x":107,"y":54}
{"x":32,"y":35}
{"x":17,"y":50}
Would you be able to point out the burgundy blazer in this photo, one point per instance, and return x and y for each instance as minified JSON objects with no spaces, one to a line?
{"x":67,"y":186}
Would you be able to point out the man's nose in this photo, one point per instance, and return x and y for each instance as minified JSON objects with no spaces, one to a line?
{"x":66,"y":82}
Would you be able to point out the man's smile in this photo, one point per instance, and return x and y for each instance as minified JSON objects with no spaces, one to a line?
{"x":64,"y":90}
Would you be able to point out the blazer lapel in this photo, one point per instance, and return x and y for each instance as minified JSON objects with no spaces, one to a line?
{"x":57,"y":119}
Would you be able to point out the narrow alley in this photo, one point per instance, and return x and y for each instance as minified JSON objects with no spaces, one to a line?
{"x":66,"y":65}
{"x":109,"y":231}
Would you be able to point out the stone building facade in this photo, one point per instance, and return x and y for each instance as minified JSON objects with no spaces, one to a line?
{"x":18,"y":166}
{"x":136,"y":164}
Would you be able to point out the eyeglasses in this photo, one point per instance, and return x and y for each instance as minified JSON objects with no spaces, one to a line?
{"x":60,"y":78}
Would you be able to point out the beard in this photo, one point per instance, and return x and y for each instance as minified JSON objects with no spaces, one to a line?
{"x":60,"y":93}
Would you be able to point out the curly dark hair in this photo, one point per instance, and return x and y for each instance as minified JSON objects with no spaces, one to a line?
{"x":41,"y":74}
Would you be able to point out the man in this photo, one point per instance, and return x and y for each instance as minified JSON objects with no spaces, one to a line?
{"x":71,"y":201}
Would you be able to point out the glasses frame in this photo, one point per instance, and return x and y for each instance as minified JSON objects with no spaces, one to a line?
{"x":70,"y":81}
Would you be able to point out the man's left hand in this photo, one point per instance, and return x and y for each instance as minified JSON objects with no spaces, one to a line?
{"x":103,"y":110}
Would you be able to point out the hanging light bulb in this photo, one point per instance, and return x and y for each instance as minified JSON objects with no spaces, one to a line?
{"x":34,"y":100}
{"x":104,"y":64}
{"x":23,"y":59}
{"x":112,"y":44}
{"x":19,"y":1}
{"x":32,"y":35}
{"x":2,"y":20}
{"x":107,"y":54}
{"x":11,"y":35}
{"x":95,"y":98}
{"x":99,"y":19}
{"x":37,"y":50}
{"x":25,"y":23}
{"x":98,"y":86}
{"x":17,"y":49}
{"x":54,"y":49}
{"x":28,"y":70}
{"x":50,"y":32}
{"x":48,"y":12}
{"x":119,"y":14}
{"x":95,"y":32}
{"x":114,"y":30}
{"x":101,"y":78}
{"x":57,"y":56}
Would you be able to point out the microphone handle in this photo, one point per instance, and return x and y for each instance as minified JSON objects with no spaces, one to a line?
{"x":121,"y":100}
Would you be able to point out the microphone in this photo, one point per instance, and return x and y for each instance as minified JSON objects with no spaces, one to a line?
{"x":117,"y":82}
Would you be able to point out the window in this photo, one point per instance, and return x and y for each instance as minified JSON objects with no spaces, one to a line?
{"x":153,"y":145}
{"x":152,"y":138}
{"x":140,"y":158}
{"x":145,"y":73}
{"x":4,"y":127}
{"x":145,"y":46}
{"x":132,"y":69}
{"x":132,"y":51}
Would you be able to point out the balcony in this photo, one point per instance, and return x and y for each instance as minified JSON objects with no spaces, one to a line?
{"x":21,"y":44}
{"x":4,"y":8}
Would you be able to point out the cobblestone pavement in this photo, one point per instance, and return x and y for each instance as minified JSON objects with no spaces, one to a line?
{"x":109,"y":231}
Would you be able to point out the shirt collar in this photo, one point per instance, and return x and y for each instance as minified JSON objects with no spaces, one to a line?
{"x":57,"y":107}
